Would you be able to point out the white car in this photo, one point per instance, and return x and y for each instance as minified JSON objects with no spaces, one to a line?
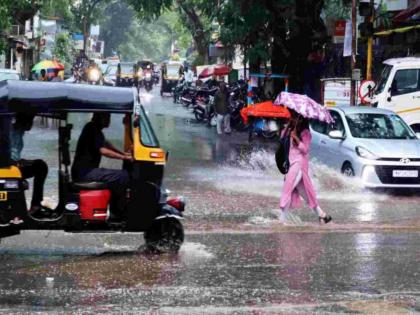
{"x":373,"y":144}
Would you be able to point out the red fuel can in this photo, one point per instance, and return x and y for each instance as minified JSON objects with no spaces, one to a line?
{"x":94,"y":204}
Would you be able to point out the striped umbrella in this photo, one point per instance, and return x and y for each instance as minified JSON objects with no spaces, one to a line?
{"x":46,"y":65}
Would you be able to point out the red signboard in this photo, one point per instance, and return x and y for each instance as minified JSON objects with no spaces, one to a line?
{"x":340,"y":28}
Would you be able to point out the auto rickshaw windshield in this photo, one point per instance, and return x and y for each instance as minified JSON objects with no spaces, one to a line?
{"x":172,"y":71}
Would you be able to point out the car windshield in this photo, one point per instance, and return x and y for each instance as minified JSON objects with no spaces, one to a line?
{"x":384,"y":77}
{"x":9,"y":76}
{"x":378,"y":126}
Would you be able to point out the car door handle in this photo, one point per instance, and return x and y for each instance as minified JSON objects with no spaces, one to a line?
{"x":323,"y":142}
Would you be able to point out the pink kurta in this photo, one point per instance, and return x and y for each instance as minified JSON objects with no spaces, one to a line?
{"x":299,"y":162}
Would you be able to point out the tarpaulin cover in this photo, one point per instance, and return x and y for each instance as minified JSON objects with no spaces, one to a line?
{"x":264,"y":110}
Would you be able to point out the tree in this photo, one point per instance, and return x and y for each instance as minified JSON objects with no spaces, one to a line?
{"x":116,"y":25}
{"x":10,"y":10}
{"x":283,"y":32}
{"x":87,"y":12}
{"x":195,"y":14}
{"x":62,"y":48}
{"x":152,"y":39}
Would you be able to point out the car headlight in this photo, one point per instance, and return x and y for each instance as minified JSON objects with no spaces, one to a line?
{"x":93,"y":75}
{"x":366,"y":154}
{"x":11,"y":184}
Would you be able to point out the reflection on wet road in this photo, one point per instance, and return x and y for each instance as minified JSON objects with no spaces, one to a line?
{"x":237,"y":259}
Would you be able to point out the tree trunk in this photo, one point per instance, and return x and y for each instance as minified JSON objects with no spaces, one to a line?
{"x":197,"y":30}
{"x":310,"y":31}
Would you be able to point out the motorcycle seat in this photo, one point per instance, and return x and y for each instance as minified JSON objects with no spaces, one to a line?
{"x":89,"y":185}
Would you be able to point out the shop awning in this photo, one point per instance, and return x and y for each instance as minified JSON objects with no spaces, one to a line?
{"x":397,"y":30}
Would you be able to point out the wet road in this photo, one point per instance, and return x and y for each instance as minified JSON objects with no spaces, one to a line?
{"x":236,"y":259}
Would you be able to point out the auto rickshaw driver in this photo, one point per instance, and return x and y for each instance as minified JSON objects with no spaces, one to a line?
{"x":91,"y":146}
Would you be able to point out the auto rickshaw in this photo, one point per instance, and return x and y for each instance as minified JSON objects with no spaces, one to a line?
{"x":84,"y":206}
{"x":147,"y":69}
{"x":128,"y":74}
{"x":170,"y":74}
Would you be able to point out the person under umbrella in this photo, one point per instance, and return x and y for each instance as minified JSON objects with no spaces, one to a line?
{"x":298,"y":182}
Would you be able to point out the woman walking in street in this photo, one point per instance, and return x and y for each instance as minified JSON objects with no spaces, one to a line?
{"x":297,"y":182}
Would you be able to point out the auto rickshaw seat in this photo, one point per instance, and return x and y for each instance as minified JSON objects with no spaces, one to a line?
{"x":89,"y":185}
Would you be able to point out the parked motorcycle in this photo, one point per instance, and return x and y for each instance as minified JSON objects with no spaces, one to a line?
{"x":177,"y":90}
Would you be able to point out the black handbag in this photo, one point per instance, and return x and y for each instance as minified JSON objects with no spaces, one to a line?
{"x":282,"y":154}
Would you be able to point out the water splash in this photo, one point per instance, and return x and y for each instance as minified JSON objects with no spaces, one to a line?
{"x":257,"y":173}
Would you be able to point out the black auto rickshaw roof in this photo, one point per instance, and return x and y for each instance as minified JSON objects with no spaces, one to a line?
{"x":51,"y":97}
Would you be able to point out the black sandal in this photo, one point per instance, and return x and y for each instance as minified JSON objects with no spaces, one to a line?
{"x":325,"y":219}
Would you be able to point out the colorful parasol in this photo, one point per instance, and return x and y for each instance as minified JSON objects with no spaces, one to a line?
{"x":47,"y":64}
{"x":304,"y":106}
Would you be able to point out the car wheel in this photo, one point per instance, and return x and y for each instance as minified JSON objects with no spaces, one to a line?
{"x":347,"y":170}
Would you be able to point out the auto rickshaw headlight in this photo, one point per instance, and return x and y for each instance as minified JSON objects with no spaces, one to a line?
{"x":11,"y":184}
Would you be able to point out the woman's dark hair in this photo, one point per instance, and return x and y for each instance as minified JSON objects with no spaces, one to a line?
{"x":301,"y":125}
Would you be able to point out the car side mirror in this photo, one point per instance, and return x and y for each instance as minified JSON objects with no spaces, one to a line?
{"x":336,"y":134}
{"x":418,"y":135}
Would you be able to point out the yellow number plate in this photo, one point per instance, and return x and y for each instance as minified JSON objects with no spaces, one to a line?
{"x":3,"y":195}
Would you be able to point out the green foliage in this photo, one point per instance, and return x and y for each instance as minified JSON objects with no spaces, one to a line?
{"x":89,"y":10}
{"x":62,"y":48}
{"x":57,"y":8}
{"x":116,"y":25}
{"x":152,"y":40}
{"x":337,"y":9}
{"x":10,"y":10}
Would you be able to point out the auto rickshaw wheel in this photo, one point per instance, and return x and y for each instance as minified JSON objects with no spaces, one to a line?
{"x":164,"y":236}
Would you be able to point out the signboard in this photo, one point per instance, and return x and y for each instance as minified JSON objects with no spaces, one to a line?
{"x":336,"y":91}
{"x":347,"y":40}
{"x":94,"y":30}
{"x":78,"y":41}
{"x":339,"y":31}
{"x":366,"y":91}
{"x":396,"y":5}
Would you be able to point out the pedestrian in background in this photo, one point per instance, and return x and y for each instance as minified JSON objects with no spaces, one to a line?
{"x":57,"y":77}
{"x":221,"y":104}
{"x":43,"y":76}
{"x":297,"y":181}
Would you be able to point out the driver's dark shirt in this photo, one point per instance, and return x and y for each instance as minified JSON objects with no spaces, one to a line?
{"x":88,"y":155}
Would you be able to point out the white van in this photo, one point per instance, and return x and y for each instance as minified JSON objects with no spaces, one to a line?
{"x":398,"y":89}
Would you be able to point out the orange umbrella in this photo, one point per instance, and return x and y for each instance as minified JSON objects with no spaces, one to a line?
{"x":264,"y":110}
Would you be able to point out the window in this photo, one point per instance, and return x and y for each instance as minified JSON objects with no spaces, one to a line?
{"x":384,"y":78}
{"x":147,"y":135}
{"x":319,"y":126}
{"x":378,"y":126}
{"x":337,"y":124}
{"x":405,"y":81}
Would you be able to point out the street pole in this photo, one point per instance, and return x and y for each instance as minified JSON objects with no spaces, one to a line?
{"x":353,"y":53}
{"x":370,"y":46}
